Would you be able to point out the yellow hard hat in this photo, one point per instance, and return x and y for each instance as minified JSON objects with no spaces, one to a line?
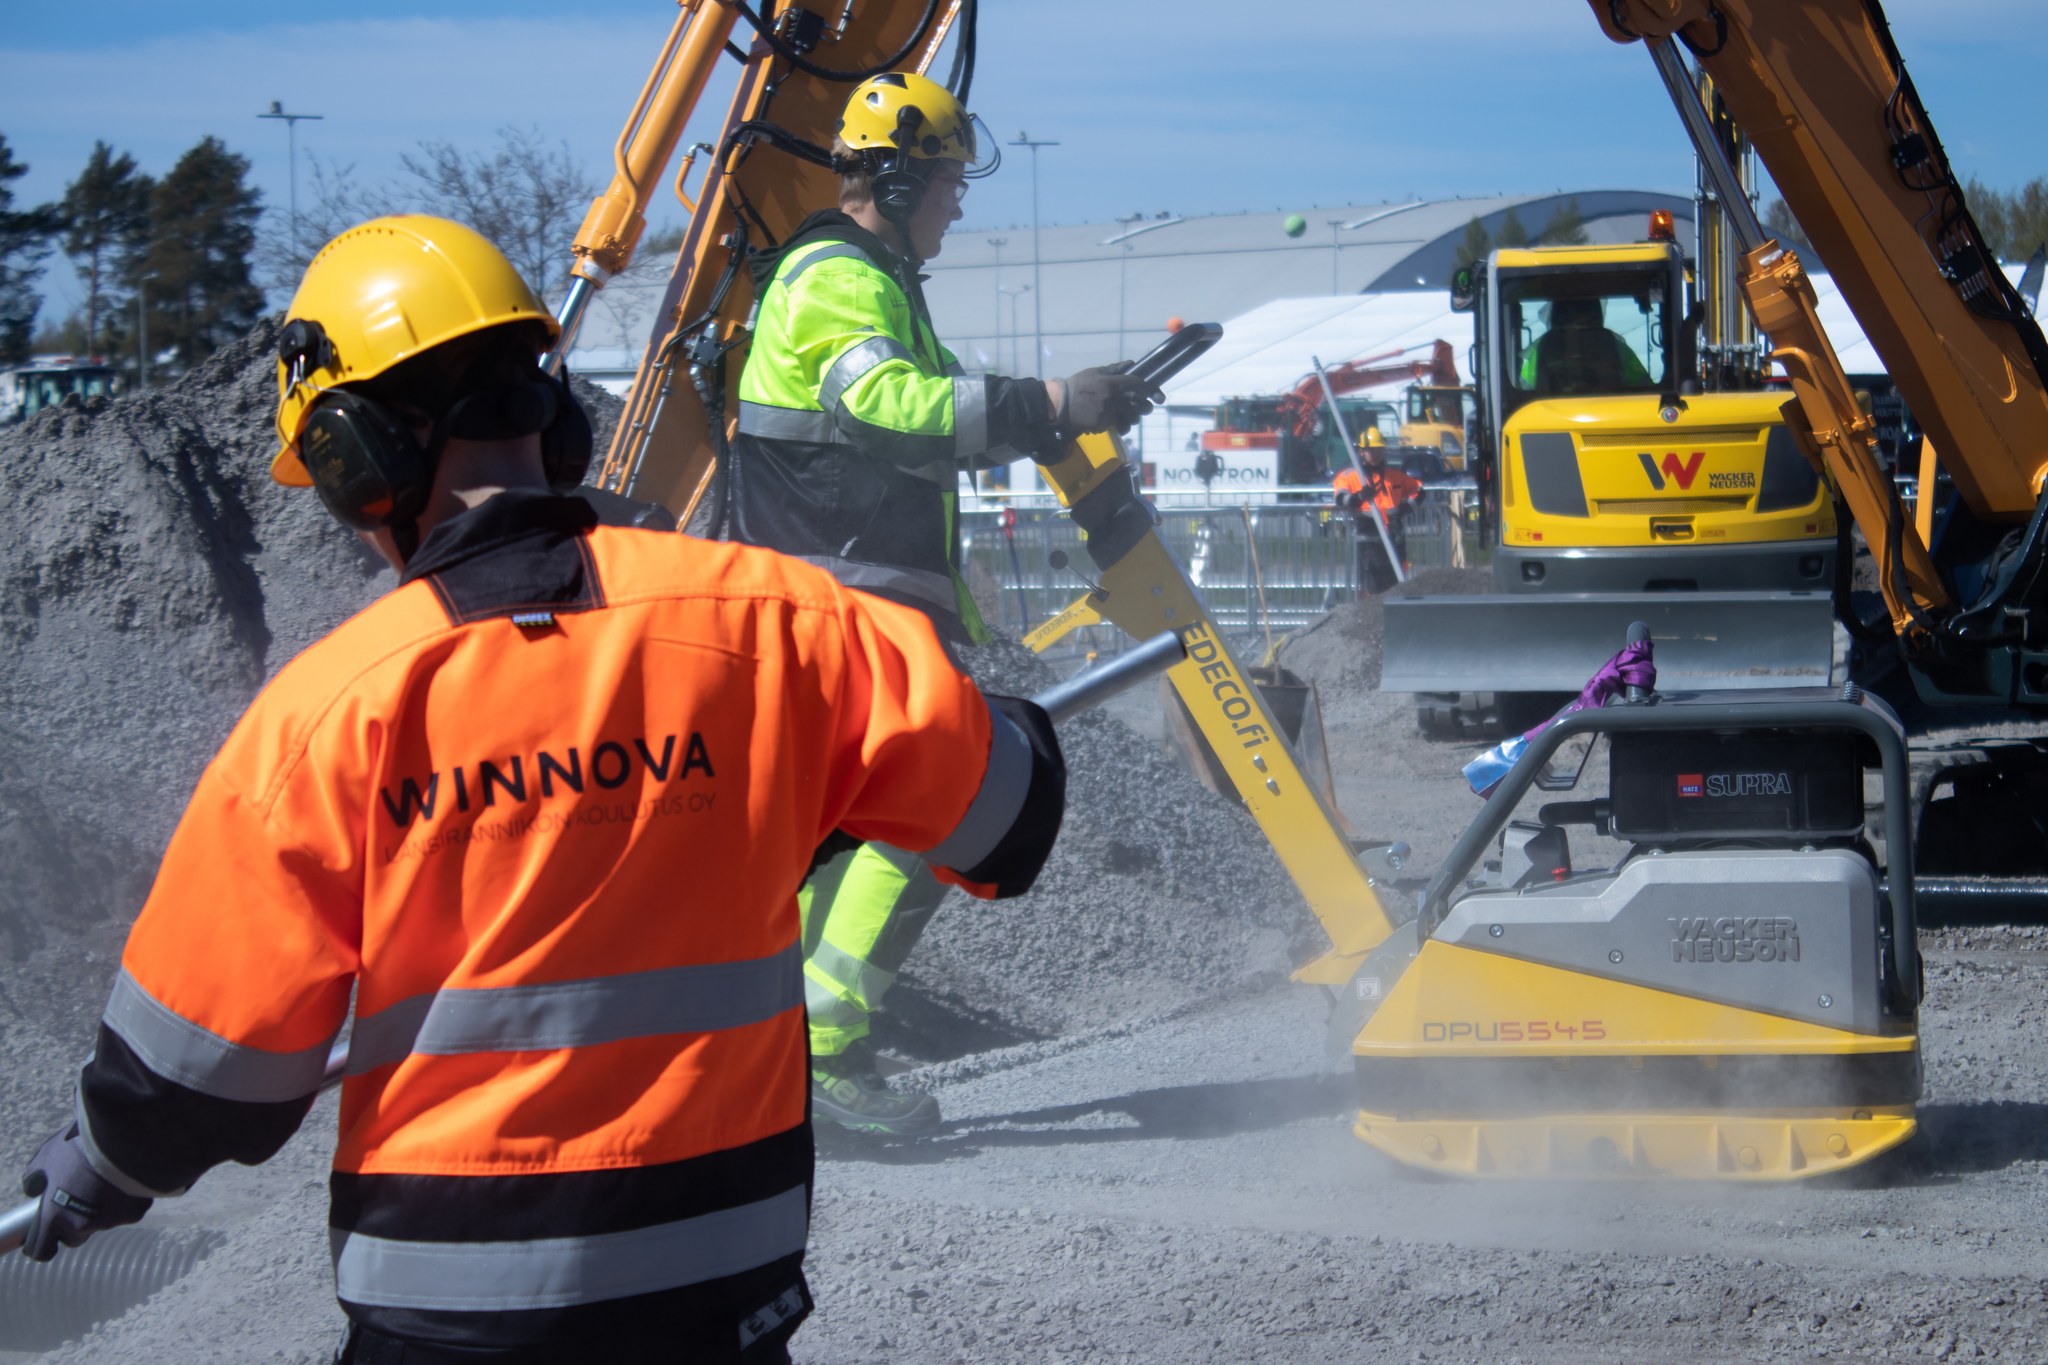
{"x":903,"y":112}
{"x":382,"y":293}
{"x":1371,"y":436}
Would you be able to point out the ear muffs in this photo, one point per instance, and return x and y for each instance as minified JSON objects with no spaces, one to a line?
{"x":897,"y":192}
{"x":370,"y":471}
{"x":366,"y":466}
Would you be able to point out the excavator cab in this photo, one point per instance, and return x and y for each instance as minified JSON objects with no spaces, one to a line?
{"x":1578,"y":334}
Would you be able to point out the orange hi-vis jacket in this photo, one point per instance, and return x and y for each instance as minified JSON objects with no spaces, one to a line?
{"x":1391,"y":487}
{"x":545,"y":809}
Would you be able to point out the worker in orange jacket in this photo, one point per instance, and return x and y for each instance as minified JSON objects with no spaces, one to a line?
{"x":1391,"y":491}
{"x":543,"y":811}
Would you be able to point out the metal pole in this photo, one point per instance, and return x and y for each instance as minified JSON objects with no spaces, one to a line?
{"x":1038,"y":291}
{"x":1123,"y":265}
{"x":1013,"y":294}
{"x":1098,"y":684}
{"x":1335,"y":224}
{"x":999,"y":243}
{"x":1749,"y":233}
{"x":14,"y":1222}
{"x":1365,"y":481}
{"x":570,"y":317}
{"x":291,"y":142}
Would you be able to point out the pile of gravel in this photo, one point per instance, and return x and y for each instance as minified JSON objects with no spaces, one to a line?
{"x":152,"y":578}
{"x":1340,"y":650}
{"x":1159,"y":893}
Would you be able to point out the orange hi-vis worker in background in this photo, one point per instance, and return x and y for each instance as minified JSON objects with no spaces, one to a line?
{"x":544,"y":809}
{"x":1391,"y":491}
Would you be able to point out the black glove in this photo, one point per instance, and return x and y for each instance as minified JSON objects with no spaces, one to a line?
{"x":77,"y":1201}
{"x":1106,"y":398}
{"x":1350,"y":501}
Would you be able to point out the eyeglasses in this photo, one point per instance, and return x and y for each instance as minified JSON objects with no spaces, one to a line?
{"x":955,"y":185}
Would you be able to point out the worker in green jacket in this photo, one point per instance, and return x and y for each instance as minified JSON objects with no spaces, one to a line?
{"x":855,"y":425}
{"x":1579,"y":355}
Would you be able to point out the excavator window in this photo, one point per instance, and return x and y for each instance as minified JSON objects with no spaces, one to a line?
{"x":1587,"y":335}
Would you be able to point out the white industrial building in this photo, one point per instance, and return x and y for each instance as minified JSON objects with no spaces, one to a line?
{"x":1362,"y":280}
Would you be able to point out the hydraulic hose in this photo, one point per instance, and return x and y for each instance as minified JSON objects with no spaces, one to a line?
{"x":825,"y":73}
{"x":43,"y":1306}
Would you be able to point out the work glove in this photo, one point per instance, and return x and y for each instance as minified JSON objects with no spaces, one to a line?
{"x":1350,"y":501}
{"x":1105,"y":398}
{"x":76,"y":1200}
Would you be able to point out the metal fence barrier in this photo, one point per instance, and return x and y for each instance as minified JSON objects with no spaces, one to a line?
{"x":1267,"y":566}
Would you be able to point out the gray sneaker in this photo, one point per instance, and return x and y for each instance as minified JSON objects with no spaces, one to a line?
{"x":847,"y":1090}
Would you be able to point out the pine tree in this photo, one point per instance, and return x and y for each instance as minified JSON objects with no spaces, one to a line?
{"x":1476,"y":244}
{"x":1512,"y":233}
{"x":106,"y":230}
{"x":1567,"y":226}
{"x":2013,"y":224}
{"x":202,"y":230}
{"x":24,"y":241}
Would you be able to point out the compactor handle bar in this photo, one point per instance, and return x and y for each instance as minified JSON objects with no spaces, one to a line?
{"x":1177,"y":352}
{"x":1062,"y":702}
{"x":1090,"y":689}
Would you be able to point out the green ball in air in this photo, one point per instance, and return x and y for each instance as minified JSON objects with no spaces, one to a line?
{"x":1294,"y":225}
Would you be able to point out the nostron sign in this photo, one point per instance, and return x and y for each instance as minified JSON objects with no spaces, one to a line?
{"x":1242,"y":471}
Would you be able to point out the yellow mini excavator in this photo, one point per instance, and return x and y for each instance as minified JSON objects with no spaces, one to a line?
{"x":1721,"y":980}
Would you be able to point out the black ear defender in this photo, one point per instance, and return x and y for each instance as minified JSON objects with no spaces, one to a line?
{"x":372,"y":472}
{"x":365,"y":464}
{"x":367,"y":467}
{"x":898,"y":190}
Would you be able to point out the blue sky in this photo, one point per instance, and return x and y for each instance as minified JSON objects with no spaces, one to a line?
{"x":1194,"y":106}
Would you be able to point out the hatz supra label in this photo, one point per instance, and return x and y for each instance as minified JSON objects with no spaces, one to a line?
{"x":1734,"y":784}
{"x":1735,"y":938}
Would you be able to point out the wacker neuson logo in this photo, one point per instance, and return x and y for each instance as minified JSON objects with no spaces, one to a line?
{"x":1735,"y":938}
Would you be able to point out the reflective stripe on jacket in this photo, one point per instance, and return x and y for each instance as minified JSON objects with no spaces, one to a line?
{"x":546,"y":808}
{"x":855,"y":422}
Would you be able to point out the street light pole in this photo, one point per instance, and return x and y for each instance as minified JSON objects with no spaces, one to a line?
{"x":1038,"y":300}
{"x":1123,"y":263}
{"x":999,"y":243}
{"x":291,"y":142}
{"x":1335,"y":224}
{"x":1013,"y":292}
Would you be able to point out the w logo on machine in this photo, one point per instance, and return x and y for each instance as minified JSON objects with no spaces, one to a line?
{"x":1682,"y":472}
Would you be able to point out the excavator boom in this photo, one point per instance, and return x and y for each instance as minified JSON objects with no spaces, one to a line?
{"x":1823,"y":94}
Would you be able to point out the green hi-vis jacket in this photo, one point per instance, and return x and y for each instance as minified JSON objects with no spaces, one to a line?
{"x":855,"y":423}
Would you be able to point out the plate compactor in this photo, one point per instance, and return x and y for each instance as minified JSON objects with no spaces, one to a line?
{"x":1734,"y":998}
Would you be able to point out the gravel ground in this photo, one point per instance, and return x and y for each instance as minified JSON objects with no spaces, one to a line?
{"x":1147,"y":1154}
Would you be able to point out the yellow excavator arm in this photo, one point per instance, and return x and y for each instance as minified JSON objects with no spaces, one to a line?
{"x":764,"y":174}
{"x":1821,"y":91}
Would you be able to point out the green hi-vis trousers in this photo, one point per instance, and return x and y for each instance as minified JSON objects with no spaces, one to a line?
{"x":862,"y":914}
